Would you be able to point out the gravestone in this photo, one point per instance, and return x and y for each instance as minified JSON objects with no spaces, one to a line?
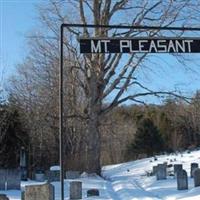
{"x":92,"y":192}
{"x":53,"y":176}
{"x":3,"y":197}
{"x":75,"y":190}
{"x":13,"y":179}
{"x":154,"y":170}
{"x":196,"y":174}
{"x":72,"y":174}
{"x":193,"y":167}
{"x":2,"y":179}
{"x":161,"y":173}
{"x":39,"y":176}
{"x":177,"y":168}
{"x":182,"y":180}
{"x":23,"y":164}
{"x":39,"y":192}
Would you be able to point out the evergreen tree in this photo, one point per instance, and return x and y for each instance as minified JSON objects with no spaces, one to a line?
{"x":12,"y":137}
{"x":147,"y":139}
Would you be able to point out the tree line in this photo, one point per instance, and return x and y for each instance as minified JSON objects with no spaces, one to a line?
{"x":127,"y":133}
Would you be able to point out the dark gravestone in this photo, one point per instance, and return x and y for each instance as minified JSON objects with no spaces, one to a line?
{"x":72,"y":174}
{"x":13,"y":179}
{"x":193,"y":167}
{"x":39,"y":192}
{"x":2,"y":179}
{"x":23,"y":164}
{"x":53,"y":176}
{"x":154,"y":170}
{"x":75,"y":190}
{"x":196,"y":174}
{"x":177,"y":168}
{"x":182,"y":180}
{"x":161,"y":173}
{"x":92,"y":192}
{"x":3,"y":197}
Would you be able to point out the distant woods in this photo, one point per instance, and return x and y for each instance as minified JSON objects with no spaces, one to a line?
{"x":127,"y":133}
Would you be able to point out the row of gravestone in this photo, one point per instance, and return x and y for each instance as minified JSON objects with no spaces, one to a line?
{"x":182,"y":179}
{"x":10,"y":179}
{"x":46,"y":191}
{"x":162,"y":173}
{"x":52,"y":176}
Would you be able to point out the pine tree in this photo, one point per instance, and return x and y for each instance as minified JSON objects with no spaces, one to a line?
{"x":12,"y":137}
{"x":147,"y":139}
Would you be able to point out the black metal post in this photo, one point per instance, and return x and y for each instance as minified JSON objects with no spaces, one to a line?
{"x":61,"y":114}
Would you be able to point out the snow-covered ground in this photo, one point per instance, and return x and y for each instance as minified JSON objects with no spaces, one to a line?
{"x":128,"y":181}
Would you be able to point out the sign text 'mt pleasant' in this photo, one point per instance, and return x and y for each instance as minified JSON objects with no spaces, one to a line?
{"x":141,"y":45}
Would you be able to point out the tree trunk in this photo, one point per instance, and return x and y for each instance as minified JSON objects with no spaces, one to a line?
{"x":93,"y":146}
{"x":93,"y":140}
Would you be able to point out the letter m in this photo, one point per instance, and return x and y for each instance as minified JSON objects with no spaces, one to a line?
{"x":95,"y":48}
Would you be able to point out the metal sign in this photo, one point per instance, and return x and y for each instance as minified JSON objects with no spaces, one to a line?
{"x":140,"y":45}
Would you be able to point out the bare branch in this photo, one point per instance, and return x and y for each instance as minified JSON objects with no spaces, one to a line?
{"x":82,"y":15}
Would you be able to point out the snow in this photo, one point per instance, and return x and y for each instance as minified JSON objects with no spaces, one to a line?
{"x":128,"y":181}
{"x":55,"y":168}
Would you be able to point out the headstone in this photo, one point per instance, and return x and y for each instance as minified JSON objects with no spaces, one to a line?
{"x":23,"y":165}
{"x":196,"y":174}
{"x":92,"y":192}
{"x":182,"y":180}
{"x":2,"y":179}
{"x":39,"y":192}
{"x":13,"y":179}
{"x":193,"y":167}
{"x":3,"y":197}
{"x":154,"y":170}
{"x":75,"y":190}
{"x":53,"y":176}
{"x":161,"y":172}
{"x":72,"y":174}
{"x":177,"y":168}
{"x":40,"y":177}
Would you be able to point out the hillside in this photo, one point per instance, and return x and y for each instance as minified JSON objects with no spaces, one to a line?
{"x":129,"y":181}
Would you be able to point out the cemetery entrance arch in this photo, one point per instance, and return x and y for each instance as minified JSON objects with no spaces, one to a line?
{"x":121,"y":45}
